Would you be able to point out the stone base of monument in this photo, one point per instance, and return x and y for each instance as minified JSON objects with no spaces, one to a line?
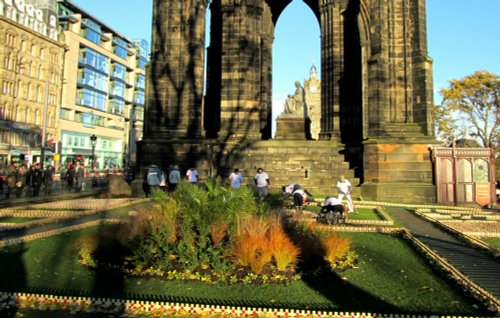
{"x":398,"y":170}
{"x":293,"y":128}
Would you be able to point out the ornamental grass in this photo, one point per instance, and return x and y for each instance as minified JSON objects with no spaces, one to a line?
{"x":335,"y":248}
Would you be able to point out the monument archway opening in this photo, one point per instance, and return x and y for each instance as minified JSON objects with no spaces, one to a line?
{"x":296,"y":48}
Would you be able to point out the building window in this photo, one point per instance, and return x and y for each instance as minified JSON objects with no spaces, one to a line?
{"x":120,"y":51}
{"x":118,"y":71}
{"x":116,"y":106}
{"x":93,"y":79}
{"x":139,"y":97}
{"x":7,"y":88}
{"x":93,"y":99}
{"x":141,"y":64}
{"x":53,"y":57}
{"x":92,"y":36}
{"x":52,"y":99}
{"x":10,"y":39}
{"x":19,"y":87}
{"x":140,"y":81}
{"x":117,"y":89}
{"x":28,"y":91}
{"x":139,"y":113}
{"x":95,"y":60}
{"x":39,"y":93}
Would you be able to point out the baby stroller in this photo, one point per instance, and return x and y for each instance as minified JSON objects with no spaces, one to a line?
{"x":332,"y":214}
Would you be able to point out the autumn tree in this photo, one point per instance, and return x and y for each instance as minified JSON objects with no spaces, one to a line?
{"x":471,"y":103}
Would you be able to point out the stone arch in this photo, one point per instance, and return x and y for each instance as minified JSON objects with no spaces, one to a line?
{"x":376,"y":90}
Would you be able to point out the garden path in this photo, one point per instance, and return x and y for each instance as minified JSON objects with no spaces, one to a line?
{"x":479,"y":266}
{"x":114,"y":213}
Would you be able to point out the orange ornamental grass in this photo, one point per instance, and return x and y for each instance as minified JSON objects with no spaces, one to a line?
{"x":252,"y":247}
{"x":262,"y":256}
{"x":254,"y":226}
{"x":253,"y":251}
{"x":218,"y":231}
{"x":285,"y":253}
{"x":244,"y":250}
{"x":335,"y":247}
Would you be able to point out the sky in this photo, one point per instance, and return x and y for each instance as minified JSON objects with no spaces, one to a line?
{"x":463,"y":37}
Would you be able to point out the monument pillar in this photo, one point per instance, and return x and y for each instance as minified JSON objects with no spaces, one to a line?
{"x":241,"y":97}
{"x":397,"y":163}
{"x":175,"y":76}
{"x":174,"y":94}
{"x":331,"y":67}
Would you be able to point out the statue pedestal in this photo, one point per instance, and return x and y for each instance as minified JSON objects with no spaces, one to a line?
{"x":293,"y":128}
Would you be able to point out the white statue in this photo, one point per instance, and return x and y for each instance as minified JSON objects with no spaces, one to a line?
{"x":294,"y":105}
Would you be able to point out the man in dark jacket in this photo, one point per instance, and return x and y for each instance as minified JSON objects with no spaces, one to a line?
{"x":36,"y":178}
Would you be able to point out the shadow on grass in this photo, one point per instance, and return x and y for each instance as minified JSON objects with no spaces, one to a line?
{"x":346,"y":296}
{"x":16,"y":272}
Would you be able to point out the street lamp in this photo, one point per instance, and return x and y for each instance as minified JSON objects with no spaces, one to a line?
{"x":93,"y":139}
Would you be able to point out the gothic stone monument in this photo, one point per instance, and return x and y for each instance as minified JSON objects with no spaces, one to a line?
{"x":376,"y":123}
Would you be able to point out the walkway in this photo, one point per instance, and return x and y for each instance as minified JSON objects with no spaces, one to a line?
{"x":479,"y":266}
{"x":113,"y":213}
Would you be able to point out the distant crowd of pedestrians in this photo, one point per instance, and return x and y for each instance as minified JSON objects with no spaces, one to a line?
{"x":19,"y":180}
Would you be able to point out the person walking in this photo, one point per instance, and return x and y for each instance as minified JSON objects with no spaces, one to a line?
{"x":36,"y":178}
{"x":174,"y":177}
{"x":48,"y":179}
{"x":235,"y":178}
{"x":11,"y":179}
{"x":152,"y":179}
{"x":344,"y":187}
{"x":21,"y":179}
{"x":262,"y":182}
{"x":69,"y":176}
{"x":79,"y":175}
{"x":192,"y":175}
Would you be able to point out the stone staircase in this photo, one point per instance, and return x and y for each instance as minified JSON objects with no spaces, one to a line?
{"x":316,"y":165}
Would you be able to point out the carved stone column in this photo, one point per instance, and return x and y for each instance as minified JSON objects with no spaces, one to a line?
{"x":175,"y":88}
{"x":331,"y":66}
{"x":241,"y":68}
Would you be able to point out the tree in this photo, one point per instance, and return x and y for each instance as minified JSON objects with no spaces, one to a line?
{"x":473,"y":103}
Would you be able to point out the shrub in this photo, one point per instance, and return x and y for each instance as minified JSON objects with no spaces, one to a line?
{"x":335,"y":248}
{"x":285,"y":253}
{"x":218,"y":231}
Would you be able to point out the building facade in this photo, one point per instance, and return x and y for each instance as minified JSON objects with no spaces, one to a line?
{"x":103,"y":91}
{"x":66,"y":76}
{"x":31,"y":56}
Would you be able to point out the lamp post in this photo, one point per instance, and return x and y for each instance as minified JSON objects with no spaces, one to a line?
{"x":93,"y":139}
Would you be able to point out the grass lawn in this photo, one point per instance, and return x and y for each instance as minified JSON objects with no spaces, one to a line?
{"x":16,"y":219}
{"x":492,"y":241}
{"x":365,"y":214}
{"x":389,"y":278}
